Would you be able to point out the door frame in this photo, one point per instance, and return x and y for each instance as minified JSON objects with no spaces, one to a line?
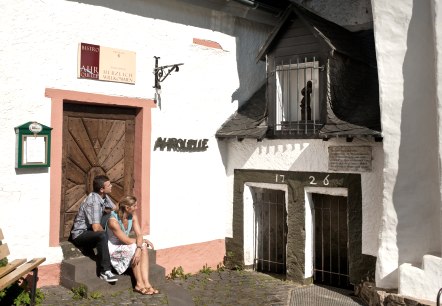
{"x":248,"y":245}
{"x":278,"y":237}
{"x":142,"y":150}
{"x":314,"y":237}
{"x":73,"y":114}
{"x":310,"y":225}
{"x":361,"y":266}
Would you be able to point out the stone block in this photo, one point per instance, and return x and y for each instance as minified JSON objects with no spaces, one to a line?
{"x":82,"y":270}
{"x":69,"y":250}
{"x":374,"y":296}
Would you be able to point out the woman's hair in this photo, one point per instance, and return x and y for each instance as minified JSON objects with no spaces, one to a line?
{"x":127,"y":201}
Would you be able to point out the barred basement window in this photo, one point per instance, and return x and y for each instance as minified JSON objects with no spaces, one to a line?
{"x":297,"y":97}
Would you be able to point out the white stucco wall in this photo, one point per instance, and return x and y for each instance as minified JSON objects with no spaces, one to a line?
{"x":189,"y":188}
{"x":39,"y":50}
{"x":421,"y":282}
{"x":410,"y":226}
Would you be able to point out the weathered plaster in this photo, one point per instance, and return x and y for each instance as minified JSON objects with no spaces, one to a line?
{"x":421,"y":282}
{"x":405,"y":50}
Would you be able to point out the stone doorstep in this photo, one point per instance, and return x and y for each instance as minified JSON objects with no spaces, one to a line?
{"x":70,"y":251}
{"x":96,"y":284}
{"x":378,"y":296}
{"x":83,"y":270}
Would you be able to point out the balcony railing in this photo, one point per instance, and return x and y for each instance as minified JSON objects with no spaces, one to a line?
{"x":297,"y":97}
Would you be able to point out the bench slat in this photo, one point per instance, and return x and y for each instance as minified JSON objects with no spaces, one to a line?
{"x":20,"y":271}
{"x":11,"y":266}
{"x":4,"y":250}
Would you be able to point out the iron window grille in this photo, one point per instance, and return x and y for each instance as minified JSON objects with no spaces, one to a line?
{"x":297,"y":97}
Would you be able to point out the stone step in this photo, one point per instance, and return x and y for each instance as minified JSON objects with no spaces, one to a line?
{"x":421,"y":283}
{"x":82,"y":270}
{"x":71,"y":251}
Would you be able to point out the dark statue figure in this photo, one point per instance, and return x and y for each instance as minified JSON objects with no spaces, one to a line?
{"x":303,"y":103}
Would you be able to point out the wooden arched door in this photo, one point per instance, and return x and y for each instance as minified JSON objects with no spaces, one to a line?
{"x":96,"y":140}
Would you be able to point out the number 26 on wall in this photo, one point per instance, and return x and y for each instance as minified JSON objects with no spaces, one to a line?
{"x":313,"y":180}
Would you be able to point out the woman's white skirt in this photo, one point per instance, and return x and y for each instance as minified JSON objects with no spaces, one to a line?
{"x":121,"y":255}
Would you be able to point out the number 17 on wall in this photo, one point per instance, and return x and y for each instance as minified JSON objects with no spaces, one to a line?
{"x":279,"y":178}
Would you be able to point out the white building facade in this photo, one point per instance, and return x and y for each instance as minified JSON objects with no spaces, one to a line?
{"x":187,"y":197}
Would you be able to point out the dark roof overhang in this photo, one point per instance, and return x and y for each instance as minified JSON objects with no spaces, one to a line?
{"x":249,"y":121}
{"x":357,"y":45}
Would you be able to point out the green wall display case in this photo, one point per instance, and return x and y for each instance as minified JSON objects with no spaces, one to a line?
{"x":33,"y":145}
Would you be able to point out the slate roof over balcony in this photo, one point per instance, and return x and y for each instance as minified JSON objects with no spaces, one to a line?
{"x":249,"y":120}
{"x":353,"y":93}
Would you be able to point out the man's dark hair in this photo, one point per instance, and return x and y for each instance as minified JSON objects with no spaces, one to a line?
{"x":98,"y":182}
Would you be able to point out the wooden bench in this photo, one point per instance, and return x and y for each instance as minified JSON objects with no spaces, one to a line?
{"x":18,"y":268}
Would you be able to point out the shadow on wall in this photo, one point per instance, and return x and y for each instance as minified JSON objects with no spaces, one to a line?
{"x":250,"y":74}
{"x":242,"y":151}
{"x":237,"y":155}
{"x":416,"y":192}
{"x":176,"y":12}
{"x":223,"y":146}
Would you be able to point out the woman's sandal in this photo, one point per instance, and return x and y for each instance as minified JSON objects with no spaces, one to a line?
{"x":143,"y":291}
{"x":152,"y":290}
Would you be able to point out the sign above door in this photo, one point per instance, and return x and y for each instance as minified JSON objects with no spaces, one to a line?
{"x":106,"y":64}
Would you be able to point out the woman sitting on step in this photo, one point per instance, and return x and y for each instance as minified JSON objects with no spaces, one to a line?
{"x":126,"y":251}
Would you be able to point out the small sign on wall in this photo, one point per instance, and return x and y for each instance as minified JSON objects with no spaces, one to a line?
{"x":33,"y":143}
{"x":181,"y":145}
{"x":106,"y":64}
{"x":350,"y":158}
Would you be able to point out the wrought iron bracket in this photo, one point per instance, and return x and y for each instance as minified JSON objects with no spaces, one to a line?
{"x":162,"y":72}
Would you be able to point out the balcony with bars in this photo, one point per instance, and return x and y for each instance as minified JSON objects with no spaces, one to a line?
{"x":297,"y":98}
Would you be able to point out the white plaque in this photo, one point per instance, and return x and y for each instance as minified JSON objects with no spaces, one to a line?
{"x":34,"y":149}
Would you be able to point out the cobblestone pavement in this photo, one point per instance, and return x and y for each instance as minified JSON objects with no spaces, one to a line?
{"x":323,"y":295}
{"x":237,"y":288}
{"x":230,"y":288}
{"x":58,"y":295}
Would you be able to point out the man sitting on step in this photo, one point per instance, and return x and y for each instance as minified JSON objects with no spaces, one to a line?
{"x":87,"y":230}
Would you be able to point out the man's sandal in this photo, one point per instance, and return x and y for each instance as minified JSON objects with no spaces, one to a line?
{"x":143,"y":291}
